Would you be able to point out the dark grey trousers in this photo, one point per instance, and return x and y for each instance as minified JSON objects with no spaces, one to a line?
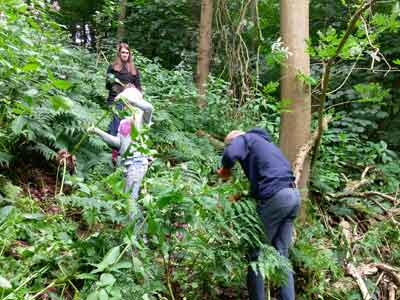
{"x":277,"y":214}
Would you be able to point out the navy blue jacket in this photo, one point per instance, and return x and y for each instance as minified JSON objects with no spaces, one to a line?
{"x":263,"y":163}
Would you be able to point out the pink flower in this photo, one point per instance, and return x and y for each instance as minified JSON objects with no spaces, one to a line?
{"x":125,"y":127}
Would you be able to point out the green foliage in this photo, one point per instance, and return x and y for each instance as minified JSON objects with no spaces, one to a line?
{"x":170,"y":28}
{"x":82,"y":244}
{"x":314,"y":253}
{"x":45,"y":101}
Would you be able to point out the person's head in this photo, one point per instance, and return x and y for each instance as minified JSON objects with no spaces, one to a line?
{"x":124,"y":58}
{"x":124,"y":53}
{"x":232,"y":135}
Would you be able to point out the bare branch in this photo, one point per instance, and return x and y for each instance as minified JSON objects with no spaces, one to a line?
{"x":391,"y":270}
{"x":352,"y":271}
{"x":392,"y":291}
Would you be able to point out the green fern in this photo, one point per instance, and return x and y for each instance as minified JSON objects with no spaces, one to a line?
{"x":44,"y":150}
{"x":5,"y":159}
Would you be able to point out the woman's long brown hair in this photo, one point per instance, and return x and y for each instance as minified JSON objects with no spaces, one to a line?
{"x":118,"y":64}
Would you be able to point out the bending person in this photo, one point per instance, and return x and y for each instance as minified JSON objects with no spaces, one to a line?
{"x":278,"y":200}
{"x":134,"y":162}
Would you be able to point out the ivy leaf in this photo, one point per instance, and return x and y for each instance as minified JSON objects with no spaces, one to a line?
{"x":397,"y":61}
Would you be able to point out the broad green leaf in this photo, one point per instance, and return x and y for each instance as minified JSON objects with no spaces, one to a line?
{"x":115,"y":292}
{"x":31,"y":92}
{"x":37,"y":216}
{"x":21,"y":109}
{"x":87,"y":276}
{"x":93,"y":296}
{"x":5,"y":211}
{"x":122,"y":265}
{"x":170,"y":198}
{"x":107,"y":279}
{"x":111,"y":257}
{"x":62,"y":84}
{"x":61,"y":102}
{"x":30,"y":67}
{"x":103,"y":295}
{"x":4,"y":283}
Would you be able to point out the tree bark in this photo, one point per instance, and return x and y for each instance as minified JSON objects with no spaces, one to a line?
{"x":204,"y":50}
{"x":295,"y":124}
{"x":121,"y":20}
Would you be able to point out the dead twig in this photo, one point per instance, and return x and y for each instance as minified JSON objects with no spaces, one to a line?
{"x":353,"y":272}
{"x":392,"y":291}
{"x":364,"y":195}
{"x":391,"y":271}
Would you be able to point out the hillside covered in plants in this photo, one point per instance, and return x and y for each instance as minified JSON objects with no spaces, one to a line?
{"x":64,"y":227}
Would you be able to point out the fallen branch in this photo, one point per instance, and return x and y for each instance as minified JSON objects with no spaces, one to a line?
{"x":352,"y":271}
{"x":391,"y":271}
{"x":365,"y":195}
{"x":392,"y":291}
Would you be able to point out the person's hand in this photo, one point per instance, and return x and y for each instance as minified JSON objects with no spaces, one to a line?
{"x":110,"y":78}
{"x":224,"y":173}
{"x":91,"y":129}
{"x":235,"y":197}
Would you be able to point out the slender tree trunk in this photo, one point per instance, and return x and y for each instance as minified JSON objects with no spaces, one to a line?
{"x":295,"y":125}
{"x":121,"y":20}
{"x":204,"y":50}
{"x":253,"y":18}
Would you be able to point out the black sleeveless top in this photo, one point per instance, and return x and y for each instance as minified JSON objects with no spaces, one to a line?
{"x":125,"y":77}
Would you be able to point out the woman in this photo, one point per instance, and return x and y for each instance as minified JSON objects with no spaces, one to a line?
{"x":134,"y":162}
{"x":121,"y":73}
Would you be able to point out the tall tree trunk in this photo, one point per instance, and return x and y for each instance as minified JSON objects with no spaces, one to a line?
{"x":204,"y":50}
{"x":121,"y":20}
{"x":295,"y":124}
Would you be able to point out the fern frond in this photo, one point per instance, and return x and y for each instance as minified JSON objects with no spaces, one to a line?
{"x":5,"y":159}
{"x":44,"y":150}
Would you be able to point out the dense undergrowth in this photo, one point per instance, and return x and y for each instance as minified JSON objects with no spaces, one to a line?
{"x":75,"y":242}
